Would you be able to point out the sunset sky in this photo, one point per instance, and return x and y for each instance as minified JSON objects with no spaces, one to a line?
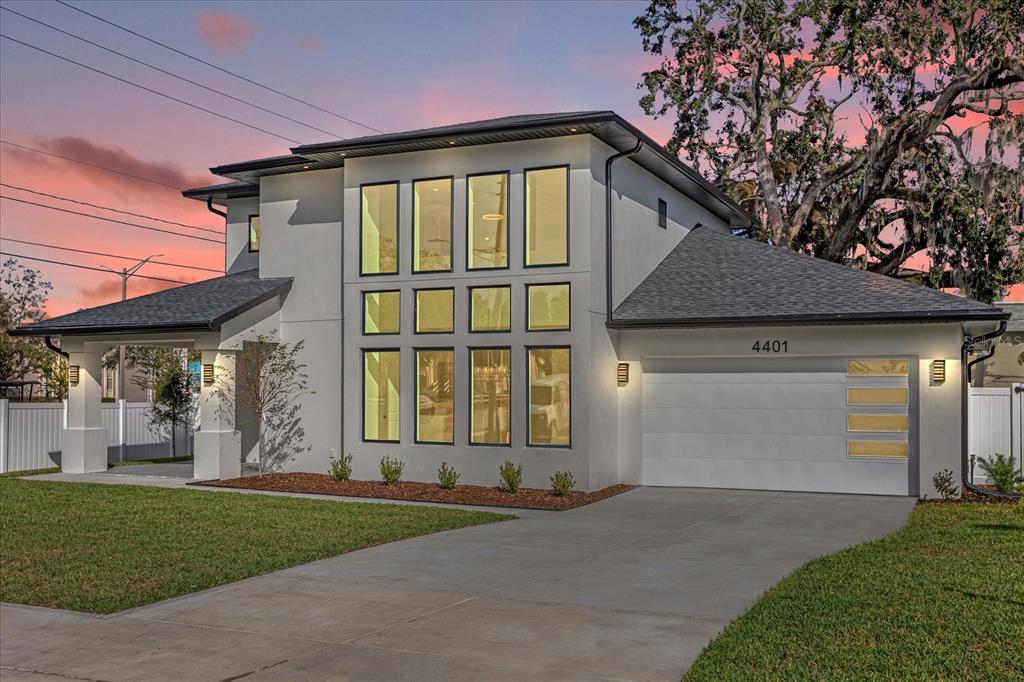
{"x":392,"y":66}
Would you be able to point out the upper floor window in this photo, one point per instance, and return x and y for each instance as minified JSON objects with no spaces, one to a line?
{"x":547,"y":216}
{"x":382,"y":312}
{"x":379,"y":229}
{"x":254,"y":234}
{"x":547,"y":307}
{"x":662,"y":214}
{"x":432,"y":225}
{"x":435,"y":311}
{"x":490,"y":309}
{"x":487,"y":221}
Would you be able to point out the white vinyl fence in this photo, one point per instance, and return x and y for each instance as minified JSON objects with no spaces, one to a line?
{"x":994,"y":418}
{"x":30,"y":434}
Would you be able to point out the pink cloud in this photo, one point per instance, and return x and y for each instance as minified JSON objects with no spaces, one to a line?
{"x":309,"y":42}
{"x":224,"y":31}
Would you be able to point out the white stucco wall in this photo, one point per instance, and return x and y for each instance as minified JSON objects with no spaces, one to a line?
{"x":236,"y":248}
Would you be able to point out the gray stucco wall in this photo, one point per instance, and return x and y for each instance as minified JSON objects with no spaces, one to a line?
{"x":236,"y":249}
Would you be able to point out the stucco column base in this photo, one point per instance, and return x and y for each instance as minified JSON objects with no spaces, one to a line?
{"x":83,"y":450}
{"x":218,"y":454}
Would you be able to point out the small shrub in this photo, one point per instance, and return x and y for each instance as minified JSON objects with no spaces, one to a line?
{"x":447,"y":477}
{"x":511,"y":476}
{"x":391,"y":469}
{"x":562,"y":482}
{"x":341,"y":468}
{"x":1000,"y":469}
{"x":943,"y":483}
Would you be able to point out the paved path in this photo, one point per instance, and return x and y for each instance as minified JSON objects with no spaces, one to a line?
{"x":630,"y":588}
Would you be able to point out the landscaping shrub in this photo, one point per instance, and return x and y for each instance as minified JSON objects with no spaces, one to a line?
{"x":944,"y":485}
{"x":341,"y":468}
{"x":562,"y":483}
{"x":447,"y":477}
{"x":1000,"y":469}
{"x":391,"y":469}
{"x":511,"y":476}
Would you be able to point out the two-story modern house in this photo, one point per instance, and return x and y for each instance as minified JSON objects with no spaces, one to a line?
{"x":560,"y":291}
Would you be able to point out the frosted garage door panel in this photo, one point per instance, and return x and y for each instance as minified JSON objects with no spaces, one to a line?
{"x":789,"y":395}
{"x":780,"y":421}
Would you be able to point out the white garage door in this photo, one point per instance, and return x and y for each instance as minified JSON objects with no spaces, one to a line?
{"x":811,"y":424}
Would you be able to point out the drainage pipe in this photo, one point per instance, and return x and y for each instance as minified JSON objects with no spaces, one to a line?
{"x":56,"y":349}
{"x":211,"y":209}
{"x":608,"y":223}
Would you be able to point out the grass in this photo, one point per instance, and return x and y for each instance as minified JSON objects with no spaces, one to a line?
{"x":104,"y":548}
{"x":941,"y":598}
{"x":30,"y":472}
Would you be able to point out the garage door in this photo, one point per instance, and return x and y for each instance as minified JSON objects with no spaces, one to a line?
{"x":820,"y":424}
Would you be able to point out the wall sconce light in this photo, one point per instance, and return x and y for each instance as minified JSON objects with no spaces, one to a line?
{"x":207,"y":375}
{"x":623,"y":373}
{"x":73,"y":375}
{"x":938,"y":371}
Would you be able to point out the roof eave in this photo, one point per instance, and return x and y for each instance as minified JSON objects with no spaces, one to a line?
{"x":810,"y":320}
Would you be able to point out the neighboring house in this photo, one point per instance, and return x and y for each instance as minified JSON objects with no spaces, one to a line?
{"x":460,"y":301}
{"x":1004,"y":368}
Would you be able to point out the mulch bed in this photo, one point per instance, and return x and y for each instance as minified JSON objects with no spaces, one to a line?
{"x":971,"y":496}
{"x":478,"y":495}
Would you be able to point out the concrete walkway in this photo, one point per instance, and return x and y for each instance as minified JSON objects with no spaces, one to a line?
{"x":630,"y":588}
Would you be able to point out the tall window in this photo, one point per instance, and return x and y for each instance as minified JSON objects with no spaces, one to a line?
{"x":487,"y":221}
{"x":490,"y":309}
{"x":547,"y":216}
{"x":254,"y":234}
{"x":381,"y":395}
{"x":547,"y":307}
{"x":379,"y":229}
{"x":435,"y":383}
{"x":490,"y":417}
{"x":550,"y":398}
{"x":435,"y":311}
{"x":432,"y":225}
{"x":382,"y":312}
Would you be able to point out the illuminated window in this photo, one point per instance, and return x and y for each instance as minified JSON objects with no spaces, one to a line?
{"x":888,"y":449}
{"x":877,"y":422}
{"x":435,"y":311}
{"x":550,"y":401}
{"x":254,"y":234}
{"x":490,"y":309}
{"x":379,"y":229}
{"x":877,"y":367}
{"x":547,"y":216}
{"x":547,"y":307}
{"x":381,"y":395}
{"x":876,"y":396}
{"x":432,"y":225}
{"x":109,"y":382}
{"x":382,"y":312}
{"x":435,"y":420}
{"x":490,"y":396}
{"x":487,"y":221}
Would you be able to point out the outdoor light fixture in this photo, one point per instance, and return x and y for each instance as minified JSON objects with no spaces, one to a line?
{"x":938,"y":371}
{"x":623,"y":373}
{"x":73,"y":371}
{"x":207,"y":375}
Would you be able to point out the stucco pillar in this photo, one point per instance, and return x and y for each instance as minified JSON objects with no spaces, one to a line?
{"x":218,"y":447}
{"x":84,"y":440}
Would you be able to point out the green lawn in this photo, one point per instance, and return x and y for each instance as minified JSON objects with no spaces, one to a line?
{"x":104,"y":548}
{"x":940,"y":599}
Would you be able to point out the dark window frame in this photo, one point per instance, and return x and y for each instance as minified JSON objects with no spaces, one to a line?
{"x":469,"y":309}
{"x":416,"y":305}
{"x":398,"y":228}
{"x":526,"y":320}
{"x":248,"y":244}
{"x":362,"y":393}
{"x":568,"y":217}
{"x":529,"y":412}
{"x":451,"y":225}
{"x":469,"y":412}
{"x":508,"y":205}
{"x":416,"y":395}
{"x":662,"y":213}
{"x":362,"y":321}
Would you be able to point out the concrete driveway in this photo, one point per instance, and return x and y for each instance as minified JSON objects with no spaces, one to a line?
{"x":630,"y":588}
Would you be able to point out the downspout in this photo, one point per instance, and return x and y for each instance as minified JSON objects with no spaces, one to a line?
{"x":965,"y":380}
{"x":224,"y":215}
{"x":211,"y":209}
{"x":55,"y":349}
{"x":608,"y":223}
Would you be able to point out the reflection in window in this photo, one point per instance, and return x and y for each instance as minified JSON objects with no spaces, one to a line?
{"x":254,"y":233}
{"x":381,"y":395}
{"x":487,"y":239}
{"x":490,"y":309}
{"x":435,"y":420}
{"x":382,"y":312}
{"x":379,"y":243}
{"x":547,"y":216}
{"x":432,"y":225}
{"x":877,"y":367}
{"x":435,"y":311}
{"x":547,"y":307}
{"x":489,"y":401}
{"x":549,"y":396}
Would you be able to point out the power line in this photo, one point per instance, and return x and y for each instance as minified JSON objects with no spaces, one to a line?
{"x":108,"y":208}
{"x":151,"y":90}
{"x":111,"y":220}
{"x":87,"y":267}
{"x":219,"y":68}
{"x":93,"y":165}
{"x":108,"y":255}
{"x":171,"y":74}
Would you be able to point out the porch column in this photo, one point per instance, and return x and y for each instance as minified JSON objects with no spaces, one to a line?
{"x":83,"y":446}
{"x":218,"y":446}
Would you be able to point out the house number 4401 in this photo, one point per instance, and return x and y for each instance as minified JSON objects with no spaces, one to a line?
{"x":771,"y":346}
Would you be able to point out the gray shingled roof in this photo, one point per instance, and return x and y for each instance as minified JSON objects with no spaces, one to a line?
{"x":200,"y":306}
{"x":714,"y":279}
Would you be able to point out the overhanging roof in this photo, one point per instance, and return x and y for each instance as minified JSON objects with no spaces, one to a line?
{"x":202,"y":306}
{"x":715,"y":279}
{"x":223,"y":191}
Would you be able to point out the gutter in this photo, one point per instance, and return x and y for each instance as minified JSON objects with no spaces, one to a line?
{"x":56,"y":349}
{"x":608,"y":224}
{"x":810,"y":319}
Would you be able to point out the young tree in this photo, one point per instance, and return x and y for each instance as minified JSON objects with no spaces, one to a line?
{"x":23,"y":294}
{"x":766,"y":94}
